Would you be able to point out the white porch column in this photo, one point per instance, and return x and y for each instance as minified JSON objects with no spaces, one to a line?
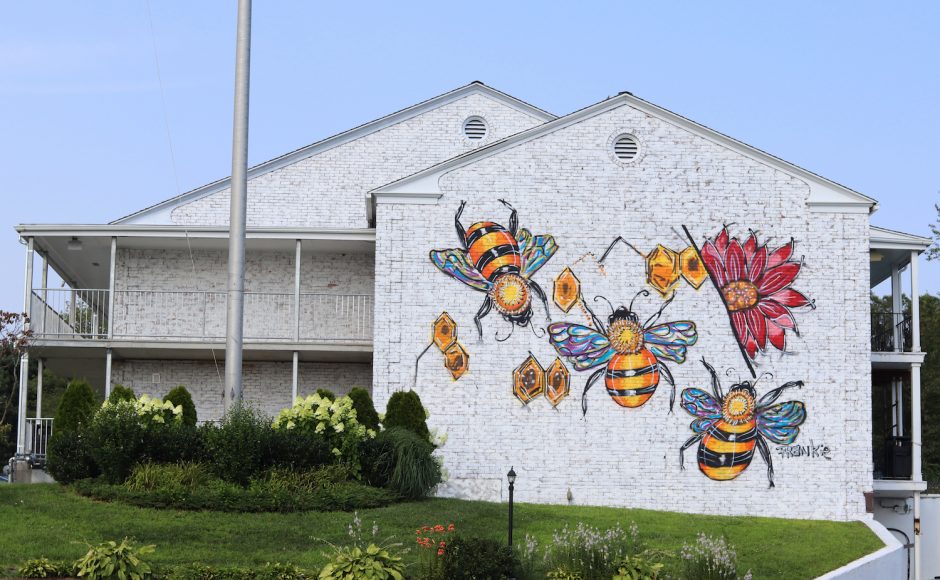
{"x":107,"y":374}
{"x":45,"y":295}
{"x":294,"y":377}
{"x":915,"y":304}
{"x":916,"y":473}
{"x":39,"y":388}
{"x":296,"y":296}
{"x":897,"y":307}
{"x":24,"y":360}
{"x":111,"y":293}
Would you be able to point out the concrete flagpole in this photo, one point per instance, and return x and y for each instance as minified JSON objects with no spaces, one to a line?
{"x":237,"y":213}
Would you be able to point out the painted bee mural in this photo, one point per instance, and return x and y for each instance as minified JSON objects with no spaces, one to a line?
{"x":729,"y":426}
{"x":633,"y":353}
{"x":499,"y":262}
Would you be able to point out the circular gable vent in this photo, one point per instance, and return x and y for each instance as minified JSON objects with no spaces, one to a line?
{"x":626,"y":147}
{"x":474,"y":128}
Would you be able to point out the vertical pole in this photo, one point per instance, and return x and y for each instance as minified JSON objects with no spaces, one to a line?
{"x":297,"y":292}
{"x":897,"y":308}
{"x":915,"y":304}
{"x":24,"y":360}
{"x":511,"y":486}
{"x":917,"y":542}
{"x":39,"y":371}
{"x":111,"y":288}
{"x":107,"y":373}
{"x":237,"y":211}
{"x":45,"y":295}
{"x":294,"y":377}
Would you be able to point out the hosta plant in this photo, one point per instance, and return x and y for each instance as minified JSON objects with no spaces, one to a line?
{"x":44,"y":568}
{"x":115,"y":560}
{"x":370,"y":563}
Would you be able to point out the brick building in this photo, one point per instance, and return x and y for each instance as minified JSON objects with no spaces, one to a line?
{"x":341,"y":293}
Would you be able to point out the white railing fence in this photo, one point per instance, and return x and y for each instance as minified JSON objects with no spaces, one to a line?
{"x":165,"y":314}
{"x":38,"y":433}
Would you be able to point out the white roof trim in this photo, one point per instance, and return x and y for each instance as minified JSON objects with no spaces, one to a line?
{"x":162,"y":210}
{"x":165,"y":231}
{"x":823,"y":192}
{"x":885,"y":239}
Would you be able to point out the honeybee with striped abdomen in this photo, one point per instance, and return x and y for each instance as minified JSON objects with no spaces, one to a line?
{"x":730,"y":426}
{"x":632,"y":353}
{"x":499,"y":262}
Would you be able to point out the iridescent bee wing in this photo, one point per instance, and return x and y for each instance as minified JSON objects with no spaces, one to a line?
{"x":583,"y":346}
{"x":669,"y":340}
{"x":536,"y":250}
{"x":781,"y":422}
{"x":704,"y":406}
{"x":456,"y":263}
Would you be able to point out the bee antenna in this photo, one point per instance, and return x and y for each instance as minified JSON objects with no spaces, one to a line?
{"x":605,"y":300}
{"x":505,"y":338}
{"x":735,"y":371}
{"x":762,"y":375}
{"x":644,"y":292}
{"x":535,"y":331}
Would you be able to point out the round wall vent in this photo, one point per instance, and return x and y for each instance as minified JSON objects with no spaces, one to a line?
{"x":474,"y":128}
{"x":626,"y":147}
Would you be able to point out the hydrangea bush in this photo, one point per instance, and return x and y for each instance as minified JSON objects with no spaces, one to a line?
{"x":151,"y":410}
{"x":335,"y":421}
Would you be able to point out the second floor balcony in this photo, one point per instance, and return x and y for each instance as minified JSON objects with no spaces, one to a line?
{"x":96,"y":314}
{"x":891,"y":331}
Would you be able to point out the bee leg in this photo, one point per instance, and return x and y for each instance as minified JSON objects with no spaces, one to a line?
{"x":461,"y":233}
{"x":765,"y":453}
{"x":541,"y":294}
{"x":692,"y":441}
{"x":716,"y":385}
{"x":587,"y":387}
{"x":513,"y":218}
{"x":483,"y":311}
{"x":664,"y":371}
{"x":773,"y":395}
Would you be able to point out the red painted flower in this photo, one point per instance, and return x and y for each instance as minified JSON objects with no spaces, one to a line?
{"x":756,"y":286}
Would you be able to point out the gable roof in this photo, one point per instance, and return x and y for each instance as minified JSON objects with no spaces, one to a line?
{"x":162,"y":209}
{"x":824,"y":192}
{"x":883,"y":238}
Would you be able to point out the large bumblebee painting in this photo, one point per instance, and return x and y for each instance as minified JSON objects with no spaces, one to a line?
{"x":499,"y":262}
{"x":632,"y":354}
{"x":729,"y":426}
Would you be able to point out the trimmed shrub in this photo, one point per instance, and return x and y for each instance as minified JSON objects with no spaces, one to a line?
{"x":472,"y":558}
{"x":327,"y":394}
{"x":377,"y":457}
{"x":121,"y":393}
{"x":117,"y":440}
{"x":69,"y":457}
{"x":414,"y":471}
{"x":180,"y":396}
{"x":405,"y":410}
{"x":365,"y":410}
{"x":77,"y":406}
{"x":238,"y":446}
{"x":298,"y":450}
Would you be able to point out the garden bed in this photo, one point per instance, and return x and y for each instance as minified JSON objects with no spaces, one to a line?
{"x":48,"y":520}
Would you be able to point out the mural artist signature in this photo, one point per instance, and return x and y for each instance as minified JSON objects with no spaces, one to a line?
{"x":811,"y":450}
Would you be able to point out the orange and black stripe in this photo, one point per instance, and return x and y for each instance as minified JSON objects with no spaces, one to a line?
{"x":727,"y":450}
{"x":631,"y":379}
{"x":493,"y":250}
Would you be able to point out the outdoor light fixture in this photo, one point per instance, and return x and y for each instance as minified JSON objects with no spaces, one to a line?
{"x":511,"y":476}
{"x":74,"y":244}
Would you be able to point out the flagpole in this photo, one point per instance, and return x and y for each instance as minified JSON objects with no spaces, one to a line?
{"x":237,"y":212}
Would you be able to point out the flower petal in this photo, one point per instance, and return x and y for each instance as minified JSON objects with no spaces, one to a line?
{"x":756,"y":264}
{"x":713,"y":263}
{"x":780,"y":255}
{"x":750,"y":346}
{"x":777,"y":336}
{"x":778,"y":277}
{"x":785,"y":321}
{"x":735,"y":262}
{"x":757,"y":324}
{"x":790,"y":297}
{"x":772,"y":309}
{"x":721,"y":242}
{"x":750,"y":246}
{"x":739,"y":322}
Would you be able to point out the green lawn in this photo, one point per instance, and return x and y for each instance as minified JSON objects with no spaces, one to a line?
{"x":47,"y":520}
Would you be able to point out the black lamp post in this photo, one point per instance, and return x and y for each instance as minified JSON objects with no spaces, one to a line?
{"x":511,"y":476}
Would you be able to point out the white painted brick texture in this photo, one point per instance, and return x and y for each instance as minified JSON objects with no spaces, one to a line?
{"x":566,"y":184}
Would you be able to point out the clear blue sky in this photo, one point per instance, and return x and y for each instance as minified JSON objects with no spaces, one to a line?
{"x":850,"y":90}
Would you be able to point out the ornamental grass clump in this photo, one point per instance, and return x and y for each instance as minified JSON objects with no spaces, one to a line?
{"x":710,"y":558}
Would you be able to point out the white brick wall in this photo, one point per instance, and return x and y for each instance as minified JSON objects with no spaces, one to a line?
{"x":567,"y":185}
{"x":267,"y":385}
{"x":328,"y":190}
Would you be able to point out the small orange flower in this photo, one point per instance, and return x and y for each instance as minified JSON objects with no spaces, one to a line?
{"x":438,"y":528}
{"x":450,"y":528}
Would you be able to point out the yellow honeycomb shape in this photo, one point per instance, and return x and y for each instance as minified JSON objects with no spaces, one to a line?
{"x":692,"y":268}
{"x":662,"y":269}
{"x":567,"y":290}
{"x":456,"y":360}
{"x":528,"y":380}
{"x":444,"y":332}
{"x":558,"y":382}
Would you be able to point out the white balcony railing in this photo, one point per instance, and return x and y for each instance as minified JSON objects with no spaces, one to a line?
{"x":199,"y":315}
{"x":38,"y":433}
